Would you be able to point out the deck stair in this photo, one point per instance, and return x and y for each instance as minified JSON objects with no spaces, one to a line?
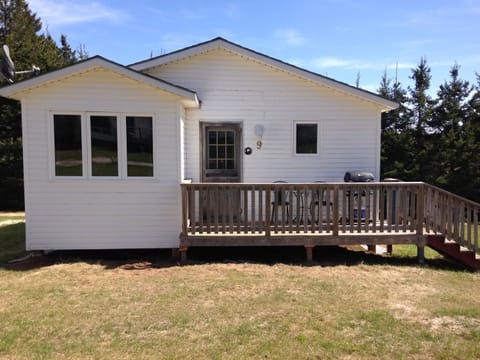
{"x":454,"y":251}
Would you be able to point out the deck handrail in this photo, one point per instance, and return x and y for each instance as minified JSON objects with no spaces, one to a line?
{"x":335,"y":208}
{"x":452,"y":216}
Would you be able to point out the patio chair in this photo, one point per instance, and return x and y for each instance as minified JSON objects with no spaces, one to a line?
{"x":280,"y":198}
{"x":319,"y":199}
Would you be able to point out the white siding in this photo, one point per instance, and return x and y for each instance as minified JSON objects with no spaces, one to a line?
{"x":234,"y":88}
{"x":101,"y":214}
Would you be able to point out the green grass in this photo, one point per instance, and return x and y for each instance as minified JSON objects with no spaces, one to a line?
{"x":410,"y":251}
{"x":142,"y":308}
{"x":12,"y":237}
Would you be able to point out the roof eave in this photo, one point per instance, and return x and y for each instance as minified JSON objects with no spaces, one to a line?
{"x":15,"y":90}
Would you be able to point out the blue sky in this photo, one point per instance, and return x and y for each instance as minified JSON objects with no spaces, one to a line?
{"x":337,"y":38}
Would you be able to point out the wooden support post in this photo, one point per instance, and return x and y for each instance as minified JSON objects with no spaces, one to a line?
{"x":421,"y":254}
{"x":390,"y":249}
{"x":309,"y":251}
{"x":183,"y":254}
{"x":372,"y":248}
{"x":175,"y":253}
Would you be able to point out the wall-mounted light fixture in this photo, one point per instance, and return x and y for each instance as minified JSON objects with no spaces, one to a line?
{"x":259,"y":130}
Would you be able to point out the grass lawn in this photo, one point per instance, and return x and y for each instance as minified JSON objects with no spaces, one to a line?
{"x":90,"y":305}
{"x":12,"y":237}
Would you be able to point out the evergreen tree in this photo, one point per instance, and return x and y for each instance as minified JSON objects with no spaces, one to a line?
{"x":68,"y":55}
{"x":420,"y":102}
{"x":451,"y":135}
{"x":20,"y":30}
{"x":422,"y":163}
{"x":396,"y":131}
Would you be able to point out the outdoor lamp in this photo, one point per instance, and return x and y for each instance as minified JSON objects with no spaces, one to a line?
{"x":259,"y":130}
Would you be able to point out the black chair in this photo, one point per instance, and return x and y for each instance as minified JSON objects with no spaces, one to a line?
{"x":280,"y":198}
{"x":319,"y":199}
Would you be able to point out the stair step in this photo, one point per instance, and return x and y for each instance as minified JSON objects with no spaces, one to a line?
{"x":454,"y":251}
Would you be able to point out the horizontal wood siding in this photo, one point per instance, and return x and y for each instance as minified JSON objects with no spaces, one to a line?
{"x":102,"y":214}
{"x":234,"y":88}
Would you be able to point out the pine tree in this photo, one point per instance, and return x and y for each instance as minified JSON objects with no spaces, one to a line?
{"x":423,"y":153}
{"x":421,"y":103}
{"x":20,"y":29}
{"x":451,"y":133}
{"x":396,"y":131}
{"x":68,"y":55}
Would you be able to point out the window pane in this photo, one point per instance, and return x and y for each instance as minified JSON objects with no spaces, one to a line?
{"x":221,"y":152}
{"x":230,"y":137}
{"x":221,"y":137}
{"x":212,"y":152}
{"x":212,"y":137}
{"x":68,"y":145}
{"x":104,"y":145}
{"x":139,"y":146}
{"x":306,"y":142}
{"x":230,"y":152}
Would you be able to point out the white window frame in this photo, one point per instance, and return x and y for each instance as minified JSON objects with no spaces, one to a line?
{"x":87,"y":146}
{"x":319,"y":132}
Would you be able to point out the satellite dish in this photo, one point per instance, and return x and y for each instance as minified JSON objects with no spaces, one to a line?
{"x":7,"y":68}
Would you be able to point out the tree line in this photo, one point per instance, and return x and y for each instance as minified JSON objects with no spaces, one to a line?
{"x":433,"y":139}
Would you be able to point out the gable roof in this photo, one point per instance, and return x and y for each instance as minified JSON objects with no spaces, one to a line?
{"x":189,"y":97}
{"x":220,"y":42}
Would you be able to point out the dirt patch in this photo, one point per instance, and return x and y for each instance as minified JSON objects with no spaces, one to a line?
{"x":29,"y":263}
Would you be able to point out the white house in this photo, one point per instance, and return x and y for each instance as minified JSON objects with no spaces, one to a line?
{"x":107,"y":146}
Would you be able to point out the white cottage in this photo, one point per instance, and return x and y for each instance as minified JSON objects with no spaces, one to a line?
{"x":107,"y":146}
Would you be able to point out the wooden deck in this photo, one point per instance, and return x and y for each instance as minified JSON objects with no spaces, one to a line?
{"x":318,"y":214}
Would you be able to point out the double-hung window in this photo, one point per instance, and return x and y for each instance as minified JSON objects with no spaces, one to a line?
{"x":92,"y":145}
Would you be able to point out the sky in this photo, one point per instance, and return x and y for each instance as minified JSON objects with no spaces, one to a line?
{"x":342,"y":39}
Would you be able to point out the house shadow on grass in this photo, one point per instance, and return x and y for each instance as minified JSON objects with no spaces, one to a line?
{"x":326,"y":256}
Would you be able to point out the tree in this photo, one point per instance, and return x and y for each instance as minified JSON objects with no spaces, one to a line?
{"x":20,"y":30}
{"x":451,"y":132}
{"x":396,"y":130}
{"x":420,"y":103}
{"x":68,"y":55}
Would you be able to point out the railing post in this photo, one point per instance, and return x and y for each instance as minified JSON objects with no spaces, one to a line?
{"x":420,"y":208}
{"x":183,"y":188}
{"x":336,"y":209}
{"x":268,"y":210}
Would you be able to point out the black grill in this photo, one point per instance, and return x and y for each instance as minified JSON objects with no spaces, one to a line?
{"x":358,"y":176}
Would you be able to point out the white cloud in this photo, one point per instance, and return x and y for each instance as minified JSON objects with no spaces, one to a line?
{"x":65,"y":13}
{"x":290,"y":36}
{"x":355,"y":64}
{"x":330,"y":62}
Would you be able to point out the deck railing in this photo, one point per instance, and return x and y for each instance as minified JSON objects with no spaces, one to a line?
{"x":453,"y":216}
{"x":332,"y":209}
{"x":306,"y":208}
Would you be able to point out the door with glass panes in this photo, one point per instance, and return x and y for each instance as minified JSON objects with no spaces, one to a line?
{"x":221,"y":152}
